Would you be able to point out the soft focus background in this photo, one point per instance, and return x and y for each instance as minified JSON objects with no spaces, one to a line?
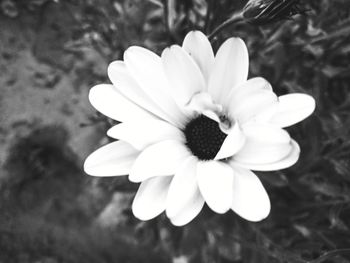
{"x":52,"y":52}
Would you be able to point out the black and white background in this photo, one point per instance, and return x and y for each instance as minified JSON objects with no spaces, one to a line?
{"x":53,"y":52}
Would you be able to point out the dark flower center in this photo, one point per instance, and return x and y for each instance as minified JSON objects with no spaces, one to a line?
{"x":204,"y":137}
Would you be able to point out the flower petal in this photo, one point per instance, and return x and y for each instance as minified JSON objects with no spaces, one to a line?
{"x":145,"y":132}
{"x":293,"y":108}
{"x":127,"y":85}
{"x":150,"y":199}
{"x":184,"y":198}
{"x":247,"y":89}
{"x":112,"y":159}
{"x":230,"y":69}
{"x":215,"y":181}
{"x":202,"y":103}
{"x":259,"y":104}
{"x":189,"y":212}
{"x":250,"y":199}
{"x":110,"y":102}
{"x":245,"y":105}
{"x":264,"y":144}
{"x":183,"y":188}
{"x":197,"y":45}
{"x":184,"y":76}
{"x":232,"y":144}
{"x":286,"y":162}
{"x":146,"y":67}
{"x":160,"y":159}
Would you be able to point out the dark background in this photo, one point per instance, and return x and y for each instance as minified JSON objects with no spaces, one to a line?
{"x":51,"y":53}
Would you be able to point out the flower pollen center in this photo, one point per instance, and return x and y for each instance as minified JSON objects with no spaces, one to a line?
{"x":204,"y":137}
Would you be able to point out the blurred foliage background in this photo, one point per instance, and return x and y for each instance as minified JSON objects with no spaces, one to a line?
{"x":52,"y":52}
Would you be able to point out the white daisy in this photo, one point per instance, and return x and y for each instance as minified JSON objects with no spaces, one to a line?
{"x":192,"y":129}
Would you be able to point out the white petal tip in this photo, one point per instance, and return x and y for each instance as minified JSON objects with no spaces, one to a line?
{"x":141,"y":213}
{"x":250,"y":199}
{"x":257,"y":215}
{"x":179,"y":223}
{"x":113,"y":159}
{"x":113,"y":66}
{"x":86,"y":167}
{"x":133,"y":178}
{"x":194,"y":36}
{"x":293,"y":108}
{"x":89,"y":166}
{"x":141,"y":216}
{"x":222,"y":210}
{"x":150,"y":199}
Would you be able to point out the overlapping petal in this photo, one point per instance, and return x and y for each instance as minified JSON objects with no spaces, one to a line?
{"x":264,"y":144}
{"x":189,"y":212}
{"x":215,"y":183}
{"x":153,"y":131}
{"x":160,"y":159}
{"x":293,"y":108}
{"x":251,"y":99}
{"x":230,"y":69}
{"x":184,"y":198}
{"x":127,"y":85}
{"x":150,"y":199}
{"x":146,"y":67}
{"x":286,"y":162}
{"x":184,"y":76}
{"x":232,"y":143}
{"x":247,"y":89}
{"x":110,"y":102}
{"x":197,"y":45}
{"x":250,"y":199}
{"x":112,"y":159}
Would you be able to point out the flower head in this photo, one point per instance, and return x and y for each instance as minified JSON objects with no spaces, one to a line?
{"x":267,"y":11}
{"x":193,"y":128}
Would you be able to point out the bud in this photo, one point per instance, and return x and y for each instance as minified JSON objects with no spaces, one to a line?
{"x":268,"y":11}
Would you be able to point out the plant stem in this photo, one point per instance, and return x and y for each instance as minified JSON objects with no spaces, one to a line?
{"x":331,"y":254}
{"x":232,"y":20}
{"x":207,"y":16}
{"x":168,"y":16}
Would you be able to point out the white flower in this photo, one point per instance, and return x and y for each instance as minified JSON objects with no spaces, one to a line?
{"x":192,"y":129}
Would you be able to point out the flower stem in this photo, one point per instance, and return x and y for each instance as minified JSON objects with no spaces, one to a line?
{"x":238,"y":17}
